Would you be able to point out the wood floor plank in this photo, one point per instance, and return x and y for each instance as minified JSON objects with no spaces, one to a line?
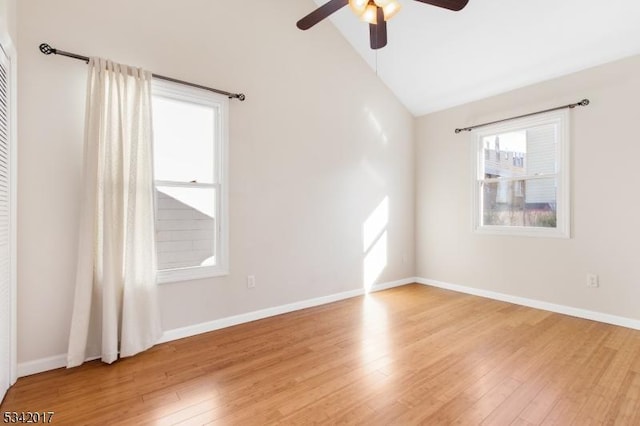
{"x":409,"y":355}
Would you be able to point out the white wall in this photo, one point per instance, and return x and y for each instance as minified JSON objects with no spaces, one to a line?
{"x":605,"y":200}
{"x":8,"y":33}
{"x":317,"y":146}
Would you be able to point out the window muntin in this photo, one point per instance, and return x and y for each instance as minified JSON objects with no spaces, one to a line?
{"x":190,"y":140}
{"x":521,"y":177}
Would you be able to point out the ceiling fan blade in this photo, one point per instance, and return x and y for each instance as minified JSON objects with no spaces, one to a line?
{"x":378,"y":32}
{"x":320,"y":13}
{"x":447,"y":4}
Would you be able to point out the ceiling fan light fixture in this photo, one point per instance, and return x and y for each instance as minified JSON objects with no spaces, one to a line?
{"x":375,"y":12}
{"x":358,"y":6}
{"x":390,"y":9}
{"x":370,"y":14}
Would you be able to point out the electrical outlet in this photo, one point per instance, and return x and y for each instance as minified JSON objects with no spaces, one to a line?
{"x":251,"y":281}
{"x":592,"y":281}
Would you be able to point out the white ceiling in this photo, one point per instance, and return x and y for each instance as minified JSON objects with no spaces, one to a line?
{"x":436,"y":58}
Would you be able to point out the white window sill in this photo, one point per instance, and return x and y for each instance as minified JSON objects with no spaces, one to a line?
{"x":523,"y":231}
{"x":188,"y":274}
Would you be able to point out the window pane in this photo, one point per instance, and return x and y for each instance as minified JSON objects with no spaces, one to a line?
{"x":520,"y":203}
{"x":183,"y":135}
{"x":185,"y":227}
{"x":528,"y":152}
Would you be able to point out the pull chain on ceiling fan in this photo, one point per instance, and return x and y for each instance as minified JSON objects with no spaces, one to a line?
{"x":375,"y":12}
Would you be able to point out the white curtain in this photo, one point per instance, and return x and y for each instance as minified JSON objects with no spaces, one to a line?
{"x":115,"y":310}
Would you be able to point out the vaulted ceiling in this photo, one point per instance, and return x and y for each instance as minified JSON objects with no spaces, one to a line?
{"x":436,"y":58}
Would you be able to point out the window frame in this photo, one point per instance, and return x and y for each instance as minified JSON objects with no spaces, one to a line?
{"x":560,"y":118}
{"x":220,"y":104}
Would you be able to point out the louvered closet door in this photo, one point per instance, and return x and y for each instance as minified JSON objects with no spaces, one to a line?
{"x":5,"y":235}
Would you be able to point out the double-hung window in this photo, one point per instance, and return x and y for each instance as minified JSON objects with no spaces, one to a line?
{"x":521,"y":176}
{"x":190,"y":150}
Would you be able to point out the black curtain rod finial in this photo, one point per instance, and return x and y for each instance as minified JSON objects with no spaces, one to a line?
{"x":46,"y":49}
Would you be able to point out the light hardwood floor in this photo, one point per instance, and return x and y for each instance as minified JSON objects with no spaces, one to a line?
{"x":410,"y":355}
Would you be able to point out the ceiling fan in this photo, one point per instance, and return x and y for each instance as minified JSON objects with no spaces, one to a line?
{"x":375,"y":12}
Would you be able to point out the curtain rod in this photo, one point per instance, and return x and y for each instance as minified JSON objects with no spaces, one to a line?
{"x":48,"y":50}
{"x":583,"y":102}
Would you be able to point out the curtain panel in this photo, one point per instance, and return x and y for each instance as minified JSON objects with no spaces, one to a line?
{"x":116,"y":311}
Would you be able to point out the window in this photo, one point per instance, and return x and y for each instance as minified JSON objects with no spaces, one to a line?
{"x":529,"y":196}
{"x":190,"y":148}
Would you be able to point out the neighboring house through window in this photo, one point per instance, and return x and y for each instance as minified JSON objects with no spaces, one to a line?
{"x":528,"y":195}
{"x":190,"y":151}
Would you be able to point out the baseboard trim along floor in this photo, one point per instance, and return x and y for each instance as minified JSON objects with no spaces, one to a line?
{"x":532,"y":303}
{"x":59,"y":361}
{"x":51,"y":363}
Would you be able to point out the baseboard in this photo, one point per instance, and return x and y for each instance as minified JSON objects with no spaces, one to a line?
{"x":532,"y":303}
{"x":59,"y":361}
{"x":45,"y":364}
{"x":51,"y":363}
{"x":206,"y":327}
{"x":40,"y":365}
